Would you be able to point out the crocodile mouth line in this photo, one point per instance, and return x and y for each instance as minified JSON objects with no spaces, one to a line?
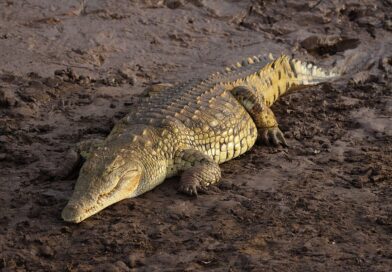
{"x":99,"y":205}
{"x":104,"y":200}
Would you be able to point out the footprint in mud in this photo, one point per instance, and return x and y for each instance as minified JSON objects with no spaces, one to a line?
{"x":373,"y":123}
{"x":385,"y":64}
{"x":328,"y":45}
{"x":7,"y":98}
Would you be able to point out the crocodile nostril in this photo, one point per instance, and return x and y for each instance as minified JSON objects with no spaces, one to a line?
{"x":71,"y":213}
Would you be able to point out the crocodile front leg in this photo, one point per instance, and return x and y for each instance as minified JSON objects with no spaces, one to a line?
{"x":155,"y":89}
{"x":262,"y":115}
{"x":74,"y":158}
{"x":199,"y":171}
{"x":86,"y":147}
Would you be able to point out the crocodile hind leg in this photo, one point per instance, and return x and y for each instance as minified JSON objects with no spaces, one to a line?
{"x":198,"y":171}
{"x":262,"y":115}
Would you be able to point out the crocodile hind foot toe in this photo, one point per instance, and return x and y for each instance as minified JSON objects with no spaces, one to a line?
{"x":272,"y":136}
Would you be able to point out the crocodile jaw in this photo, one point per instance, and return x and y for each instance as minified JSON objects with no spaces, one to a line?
{"x":85,"y":204}
{"x":74,"y":213}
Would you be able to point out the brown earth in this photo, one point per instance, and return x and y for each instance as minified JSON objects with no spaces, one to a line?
{"x":68,"y":71}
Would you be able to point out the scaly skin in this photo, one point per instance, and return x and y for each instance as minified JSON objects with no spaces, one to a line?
{"x":188,"y":130}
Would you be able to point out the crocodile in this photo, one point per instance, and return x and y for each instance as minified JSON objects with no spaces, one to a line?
{"x":188,"y":130}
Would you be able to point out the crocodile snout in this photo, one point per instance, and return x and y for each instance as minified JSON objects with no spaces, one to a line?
{"x":72,"y":213}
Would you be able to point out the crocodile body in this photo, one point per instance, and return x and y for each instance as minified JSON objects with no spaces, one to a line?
{"x":188,"y":129}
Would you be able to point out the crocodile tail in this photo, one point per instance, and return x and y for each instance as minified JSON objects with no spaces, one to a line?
{"x":286,"y":74}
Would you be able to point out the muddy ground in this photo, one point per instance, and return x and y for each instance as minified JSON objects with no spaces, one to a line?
{"x":68,"y":72}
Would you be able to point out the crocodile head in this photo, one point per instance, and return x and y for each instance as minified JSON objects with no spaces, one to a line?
{"x":104,"y":179}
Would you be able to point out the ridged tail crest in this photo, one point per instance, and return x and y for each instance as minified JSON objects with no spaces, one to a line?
{"x":275,"y":78}
{"x":308,"y":74}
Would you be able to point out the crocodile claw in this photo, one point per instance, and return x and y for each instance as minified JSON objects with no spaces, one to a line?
{"x":191,"y":188}
{"x":273,"y":136}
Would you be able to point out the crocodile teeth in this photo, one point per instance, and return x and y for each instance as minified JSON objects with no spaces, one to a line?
{"x":250,"y":61}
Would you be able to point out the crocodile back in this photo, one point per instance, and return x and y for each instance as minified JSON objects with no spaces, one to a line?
{"x":202,"y":115}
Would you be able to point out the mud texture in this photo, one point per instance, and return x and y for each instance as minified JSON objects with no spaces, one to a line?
{"x":70,"y":69}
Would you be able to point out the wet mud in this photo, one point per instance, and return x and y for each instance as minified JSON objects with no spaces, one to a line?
{"x":70,"y":69}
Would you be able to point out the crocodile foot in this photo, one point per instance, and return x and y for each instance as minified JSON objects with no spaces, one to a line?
{"x":204,"y":172}
{"x":272,"y":135}
{"x":86,"y":147}
{"x":155,"y":89}
{"x":191,"y":187}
